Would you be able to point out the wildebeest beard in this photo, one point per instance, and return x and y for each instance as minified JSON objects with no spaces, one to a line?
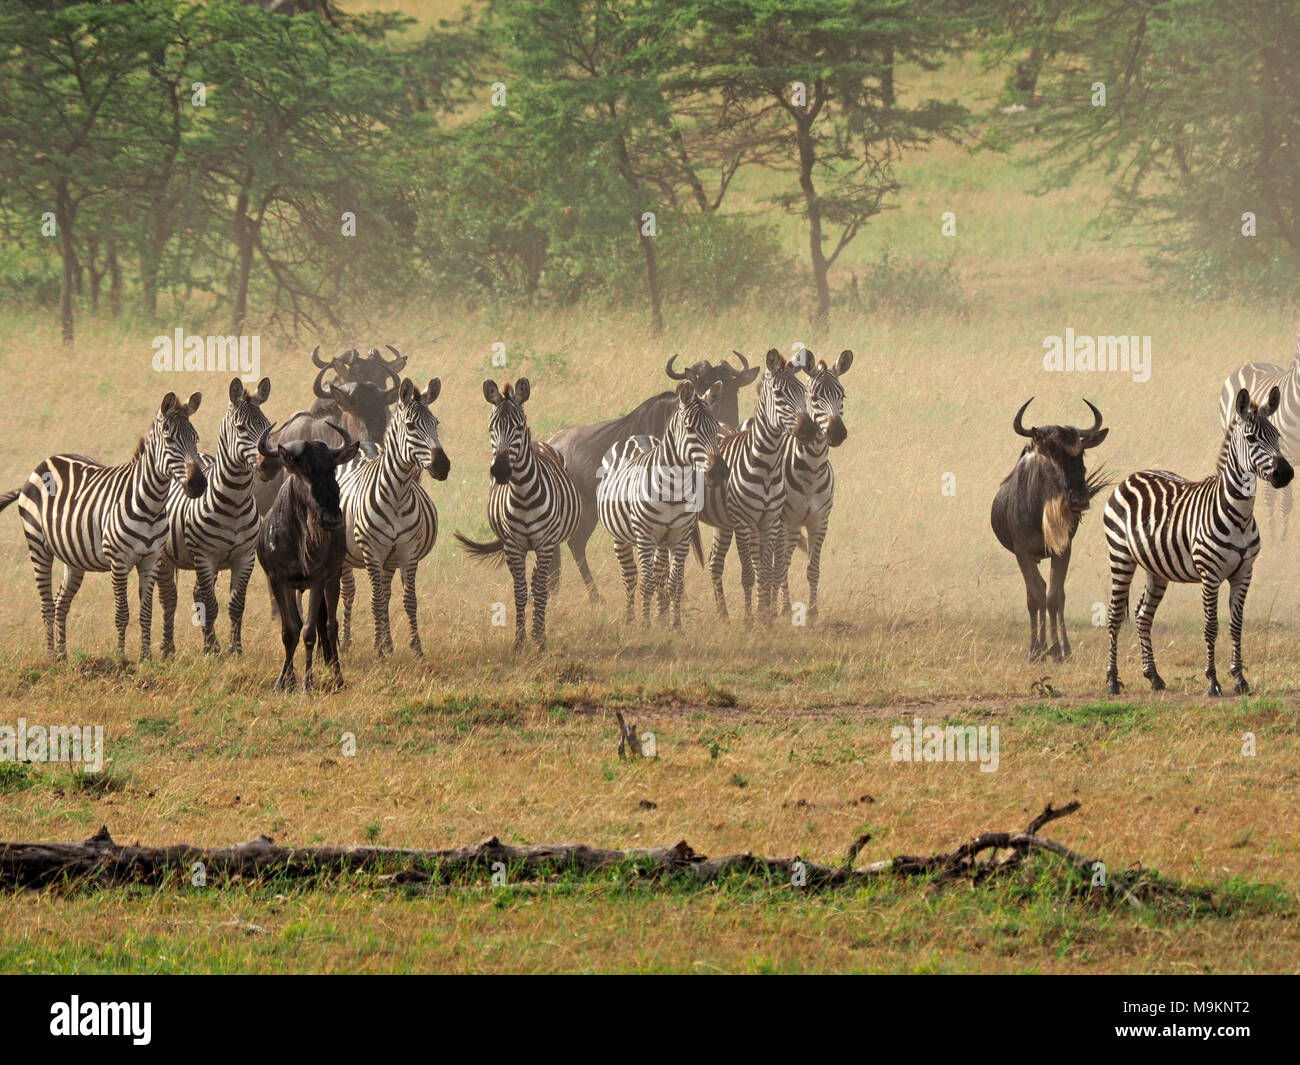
{"x":316,"y":541}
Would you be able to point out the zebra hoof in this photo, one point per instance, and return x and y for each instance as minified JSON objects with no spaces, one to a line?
{"x":1157,"y":681}
{"x":1241,"y":687}
{"x":1214,"y":690}
{"x":1113,"y":685}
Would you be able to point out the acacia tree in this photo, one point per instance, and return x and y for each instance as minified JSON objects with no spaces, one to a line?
{"x":74,"y":124}
{"x":824,"y":75}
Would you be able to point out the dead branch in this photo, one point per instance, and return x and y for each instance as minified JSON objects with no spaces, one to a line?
{"x":102,"y":862}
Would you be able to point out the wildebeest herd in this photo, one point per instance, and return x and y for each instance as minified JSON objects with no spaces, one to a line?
{"x":338,"y":489}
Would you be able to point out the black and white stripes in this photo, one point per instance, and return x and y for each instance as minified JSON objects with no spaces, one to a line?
{"x":218,"y":530}
{"x":1194,"y":532}
{"x":748,"y":504}
{"x":650,"y":492}
{"x":107,"y":519}
{"x":533,"y":504}
{"x":392,"y":523}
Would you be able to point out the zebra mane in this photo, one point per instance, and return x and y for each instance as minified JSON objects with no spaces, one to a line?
{"x":140,"y":446}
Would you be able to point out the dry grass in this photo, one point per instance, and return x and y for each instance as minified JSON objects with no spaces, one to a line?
{"x":767,"y":740}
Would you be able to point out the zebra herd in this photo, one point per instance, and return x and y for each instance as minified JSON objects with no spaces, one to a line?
{"x":341,"y":504}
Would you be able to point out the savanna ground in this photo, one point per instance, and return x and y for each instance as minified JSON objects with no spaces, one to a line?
{"x":776,"y":740}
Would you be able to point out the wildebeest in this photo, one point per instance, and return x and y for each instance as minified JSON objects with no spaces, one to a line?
{"x":1036,"y":512}
{"x":583,"y":447}
{"x":360,"y":407}
{"x":353,"y":367}
{"x":302,"y":545}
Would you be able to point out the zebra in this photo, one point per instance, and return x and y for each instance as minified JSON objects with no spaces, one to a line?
{"x":218,"y":530}
{"x":1194,"y":532}
{"x":108,"y":519}
{"x":391,"y":521}
{"x":1259,"y":378}
{"x":808,"y":479}
{"x":748,"y":504}
{"x":533,"y":504}
{"x":648,"y":498}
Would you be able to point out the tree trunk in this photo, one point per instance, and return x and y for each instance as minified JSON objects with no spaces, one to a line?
{"x":114,"y":283}
{"x":820,"y":267}
{"x":67,"y":252}
{"x":244,"y":243}
{"x":888,"y":97}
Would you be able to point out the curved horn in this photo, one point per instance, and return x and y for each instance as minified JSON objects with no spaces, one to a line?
{"x":675,"y":375}
{"x":744,"y":362}
{"x":397,"y":355}
{"x":316,"y":389}
{"x":1097,"y":415}
{"x":316,"y":360}
{"x":262,"y":441}
{"x":390,"y":396}
{"x":1017,"y":425}
{"x":347,"y":440}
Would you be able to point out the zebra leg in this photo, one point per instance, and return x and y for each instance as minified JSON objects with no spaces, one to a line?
{"x":627,"y":563}
{"x":517,"y":561}
{"x":145,"y":571}
{"x":1121,"y":577}
{"x":410,"y":603}
{"x":745,"y":549}
{"x":348,"y":589}
{"x":381,"y":578}
{"x":121,"y":611}
{"x":787,"y":557}
{"x":72,"y":578}
{"x":241,"y":571}
{"x":1210,"y":605}
{"x":205,"y":592}
{"x":328,"y":625}
{"x":663,"y":593}
{"x":166,"y":581}
{"x":43,"y":565}
{"x":648,"y":564}
{"x":718,"y":562}
{"x":816,"y":537}
{"x":541,"y":578}
{"x":1142,"y":618}
{"x":1237,"y":589}
{"x":677,"y":581}
{"x":286,"y":602}
{"x":1036,"y":603}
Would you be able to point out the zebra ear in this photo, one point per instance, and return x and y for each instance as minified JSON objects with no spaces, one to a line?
{"x":192,"y":407}
{"x":774,"y":360}
{"x":714,"y":394}
{"x":263,"y":391}
{"x":1274,"y":399}
{"x":685,"y":392}
{"x":844,"y":361}
{"x":407,"y":391}
{"x":522,"y":391}
{"x":431,"y":393}
{"x":1243,"y":402}
{"x":491,"y":392}
{"x":802,"y":360}
{"x":236,"y":390}
{"x":168,"y":404}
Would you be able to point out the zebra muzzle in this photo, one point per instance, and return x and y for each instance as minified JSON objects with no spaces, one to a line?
{"x":196,"y":481}
{"x":440,"y":467}
{"x":1282,"y":474}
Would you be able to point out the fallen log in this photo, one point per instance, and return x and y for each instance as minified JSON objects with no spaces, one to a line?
{"x":102,"y":862}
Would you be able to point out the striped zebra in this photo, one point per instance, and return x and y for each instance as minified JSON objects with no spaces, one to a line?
{"x":748,"y":504}
{"x":1259,"y":379}
{"x":392,"y":523}
{"x":1194,"y":532}
{"x":649,"y":494}
{"x":107,"y":519}
{"x":533,"y":504}
{"x":807,"y":476}
{"x":218,"y":530}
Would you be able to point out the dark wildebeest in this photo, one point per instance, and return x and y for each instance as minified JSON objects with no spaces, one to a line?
{"x":352,"y":366}
{"x":1036,"y":513}
{"x":302,"y":545}
{"x":360,"y":407}
{"x":583,"y":447}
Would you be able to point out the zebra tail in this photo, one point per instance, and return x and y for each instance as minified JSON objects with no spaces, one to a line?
{"x":9,"y":497}
{"x":492,"y":552}
{"x":696,"y":545}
